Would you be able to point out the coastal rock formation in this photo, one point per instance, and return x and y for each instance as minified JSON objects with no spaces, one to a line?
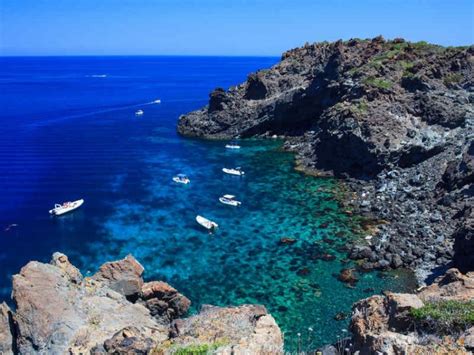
{"x":6,"y":337}
{"x":60,"y":311}
{"x":390,"y":324}
{"x":246,"y":329}
{"x":394,"y":119}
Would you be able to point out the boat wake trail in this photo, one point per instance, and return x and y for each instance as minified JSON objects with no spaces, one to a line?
{"x":49,"y":121}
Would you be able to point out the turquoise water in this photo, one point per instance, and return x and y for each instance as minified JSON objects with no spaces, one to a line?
{"x":243,"y":261}
{"x":69,"y":133}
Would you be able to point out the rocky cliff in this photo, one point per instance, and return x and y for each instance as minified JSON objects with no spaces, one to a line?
{"x":393,"y":118}
{"x":59,"y":311}
{"x":439,"y":319}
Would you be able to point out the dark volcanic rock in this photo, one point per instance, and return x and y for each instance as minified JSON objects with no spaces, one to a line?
{"x":394,"y":118}
{"x":164,"y":301}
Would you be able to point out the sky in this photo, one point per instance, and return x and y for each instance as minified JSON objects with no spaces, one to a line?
{"x":221,"y":27}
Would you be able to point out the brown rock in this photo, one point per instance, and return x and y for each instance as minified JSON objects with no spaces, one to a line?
{"x":129,"y":340}
{"x":61,"y":261}
{"x":451,"y":286}
{"x":123,"y":276}
{"x":287,"y":241}
{"x":348,"y":276}
{"x":164,"y":301}
{"x":55,"y":314}
{"x":247,"y":329}
{"x":6,"y":338}
{"x":399,"y":306}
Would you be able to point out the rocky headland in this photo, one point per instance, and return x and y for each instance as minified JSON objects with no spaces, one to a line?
{"x":58,"y":311}
{"x":392,"y":119}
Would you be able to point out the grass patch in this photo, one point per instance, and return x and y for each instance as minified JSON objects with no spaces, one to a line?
{"x":378,"y":83}
{"x":445,"y":317}
{"x":199,"y":349}
{"x":452,"y":78}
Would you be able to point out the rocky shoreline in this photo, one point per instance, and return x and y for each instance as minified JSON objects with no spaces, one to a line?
{"x":393,"y":119}
{"x":58,"y":311}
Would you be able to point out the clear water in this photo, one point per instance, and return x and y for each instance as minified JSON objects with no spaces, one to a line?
{"x":68,"y":131}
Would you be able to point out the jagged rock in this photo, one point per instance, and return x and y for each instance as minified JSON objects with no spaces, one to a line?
{"x":54,"y":313}
{"x":398,"y":307}
{"x":129,"y":340}
{"x":58,"y":312}
{"x":383,"y":324}
{"x":6,"y":337}
{"x":164,"y":301}
{"x":451,"y":286}
{"x":245,"y":329}
{"x":123,"y":276}
{"x":61,"y":261}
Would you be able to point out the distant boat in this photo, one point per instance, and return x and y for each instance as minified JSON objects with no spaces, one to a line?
{"x":181,"y":179}
{"x":232,"y":145}
{"x":229,"y":200}
{"x":206,"y":223}
{"x":65,"y":207}
{"x":139,"y":113}
{"x":157,"y":101}
{"x":236,"y":171}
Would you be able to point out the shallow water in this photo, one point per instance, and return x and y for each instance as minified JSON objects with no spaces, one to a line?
{"x":70,"y":132}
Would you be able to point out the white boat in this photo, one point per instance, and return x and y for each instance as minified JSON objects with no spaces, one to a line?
{"x":206,"y":223}
{"x":229,"y":200}
{"x":65,"y":207}
{"x":181,"y":179}
{"x":232,"y":146}
{"x":236,"y":171}
{"x":157,"y":101}
{"x":139,"y":113}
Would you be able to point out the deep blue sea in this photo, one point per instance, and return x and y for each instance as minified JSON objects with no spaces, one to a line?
{"x":68,"y":131}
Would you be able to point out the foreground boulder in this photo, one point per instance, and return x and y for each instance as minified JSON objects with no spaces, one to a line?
{"x":246,"y":329}
{"x":389,"y":324}
{"x":59,"y":311}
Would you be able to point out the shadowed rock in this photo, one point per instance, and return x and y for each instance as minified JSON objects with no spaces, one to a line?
{"x":123,"y":276}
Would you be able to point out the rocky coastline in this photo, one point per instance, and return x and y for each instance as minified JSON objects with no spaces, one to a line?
{"x":58,"y":311}
{"x":392,"y":119}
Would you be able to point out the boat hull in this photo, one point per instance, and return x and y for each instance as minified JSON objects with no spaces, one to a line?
{"x":230,"y":203}
{"x":209,"y":225}
{"x":233,"y":172}
{"x":63,"y":210}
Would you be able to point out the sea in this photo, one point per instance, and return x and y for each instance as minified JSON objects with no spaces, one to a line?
{"x":68,"y":130}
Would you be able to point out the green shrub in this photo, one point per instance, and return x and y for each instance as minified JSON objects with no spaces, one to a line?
{"x":378,"y":83}
{"x":445,"y":317}
{"x":199,"y":349}
{"x":452,"y":78}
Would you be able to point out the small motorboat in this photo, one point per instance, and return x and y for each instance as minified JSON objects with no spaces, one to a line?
{"x":206,"y":223}
{"x":236,"y":171}
{"x":229,"y":200}
{"x":181,"y":179}
{"x":65,"y":207}
{"x":139,"y":113}
{"x":232,"y":145}
{"x":157,"y":101}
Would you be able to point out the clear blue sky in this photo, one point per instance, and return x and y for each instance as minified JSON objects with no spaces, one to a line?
{"x":222,"y":27}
